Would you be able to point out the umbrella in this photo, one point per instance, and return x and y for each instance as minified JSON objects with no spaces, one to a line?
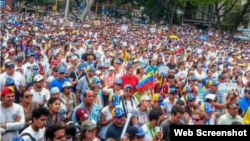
{"x":174,"y":37}
{"x":204,"y":38}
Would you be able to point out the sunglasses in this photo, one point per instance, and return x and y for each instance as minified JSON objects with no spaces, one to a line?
{"x":29,"y":96}
{"x":67,"y":88}
{"x":129,"y":91}
{"x":196,"y":119}
{"x":62,"y":73}
{"x":140,"y":137}
{"x":120,"y":117}
{"x":175,"y":93}
{"x":119,"y":85}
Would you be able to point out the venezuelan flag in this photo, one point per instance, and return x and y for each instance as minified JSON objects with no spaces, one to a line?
{"x":151,"y":73}
{"x":144,"y":83}
{"x":160,"y":83}
{"x":246,"y":118}
{"x":8,"y":8}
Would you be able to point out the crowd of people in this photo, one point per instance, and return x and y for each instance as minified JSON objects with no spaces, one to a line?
{"x":72,"y":83}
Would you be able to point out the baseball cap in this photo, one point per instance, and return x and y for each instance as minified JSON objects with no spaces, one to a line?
{"x":208,"y":108}
{"x":136,"y":130}
{"x":190,"y":96}
{"x":210,"y":96}
{"x":9,"y":65}
{"x":98,"y":72}
{"x":172,"y":90}
{"x":94,"y":80}
{"x":35,"y":67}
{"x":192,"y":77}
{"x":118,"y":81}
{"x":99,"y":66}
{"x":114,"y":99}
{"x":74,"y":57}
{"x":117,"y":111}
{"x":54,"y":90}
{"x":145,"y":97}
{"x":187,"y":89}
{"x":117,"y":61}
{"x":154,"y":59}
{"x":159,"y":99}
{"x":62,"y":70}
{"x":127,"y":86}
{"x":31,"y":54}
{"x":9,"y":81}
{"x":7,"y":90}
{"x":91,"y":68}
{"x":37,"y":77}
{"x":194,"y":88}
{"x":213,"y":82}
{"x":111,"y":68}
{"x":17,"y":139}
{"x":221,"y":76}
{"x":19,"y":58}
{"x":88,"y":125}
{"x":66,"y":84}
{"x":246,"y":90}
{"x":81,"y":66}
{"x":81,"y":113}
{"x":54,"y":62}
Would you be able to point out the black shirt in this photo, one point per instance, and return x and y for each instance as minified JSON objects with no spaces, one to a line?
{"x":171,"y":66}
{"x":85,"y":56}
{"x":166,"y":128}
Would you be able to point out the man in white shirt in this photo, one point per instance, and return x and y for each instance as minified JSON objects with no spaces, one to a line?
{"x":28,"y":66}
{"x":35,"y":132}
{"x":12,"y":115}
{"x":151,"y":128}
{"x":10,"y":72}
{"x":40,"y":94}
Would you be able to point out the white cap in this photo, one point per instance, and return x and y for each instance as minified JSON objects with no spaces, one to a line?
{"x":74,"y":57}
{"x":145,"y":97}
{"x":210,"y":96}
{"x":38,"y":78}
{"x":54,"y":90}
{"x":136,"y":60}
{"x":111,"y":68}
{"x":154,"y":58}
{"x":98,"y":72}
{"x":66,"y":84}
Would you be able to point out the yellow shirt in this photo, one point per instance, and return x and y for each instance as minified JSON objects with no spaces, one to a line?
{"x":125,"y":56}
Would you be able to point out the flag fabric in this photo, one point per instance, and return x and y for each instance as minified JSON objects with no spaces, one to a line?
{"x":8,"y":8}
{"x":144,"y":83}
{"x":160,"y":83}
{"x":246,"y":118}
{"x":151,"y":73}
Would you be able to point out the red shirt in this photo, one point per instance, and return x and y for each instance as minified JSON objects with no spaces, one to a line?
{"x":133,"y":81}
{"x":164,"y":89}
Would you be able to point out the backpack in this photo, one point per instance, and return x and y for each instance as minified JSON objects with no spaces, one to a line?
{"x":28,"y":134}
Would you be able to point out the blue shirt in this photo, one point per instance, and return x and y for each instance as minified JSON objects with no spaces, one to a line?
{"x":244,"y":103}
{"x":94,"y":114}
{"x":58,"y":83}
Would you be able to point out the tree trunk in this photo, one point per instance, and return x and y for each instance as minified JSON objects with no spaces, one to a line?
{"x":172,"y":16}
{"x":219,"y":21}
{"x":87,"y":9}
{"x":239,"y":19}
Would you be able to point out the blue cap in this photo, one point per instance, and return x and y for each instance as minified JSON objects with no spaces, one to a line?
{"x":163,"y":74}
{"x":239,"y":72}
{"x":130,"y":63}
{"x":10,"y":81}
{"x":118,"y":61}
{"x":172,"y":90}
{"x":208,"y":108}
{"x":9,"y":65}
{"x":117,"y":111}
{"x":115,"y":100}
{"x":17,"y":139}
{"x":62,"y":70}
{"x":118,"y":81}
{"x":35,"y":67}
{"x":3,"y":46}
{"x":136,"y":130}
{"x":100,"y":66}
{"x":213,"y":82}
{"x":31,"y":54}
{"x":225,"y":66}
{"x":81,"y":66}
{"x":190,"y":96}
{"x":118,"y":53}
{"x":158,"y":98}
{"x":91,"y":68}
{"x":94,"y":80}
{"x":54,"y":90}
{"x":127,"y":86}
{"x":193,"y":77}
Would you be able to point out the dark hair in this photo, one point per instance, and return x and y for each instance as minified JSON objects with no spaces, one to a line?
{"x":93,"y":87}
{"x":52,"y":100}
{"x":38,"y":112}
{"x":177,"y":109}
{"x":153,"y":114}
{"x":50,"y":132}
{"x":180,"y":102}
{"x":70,"y":129}
{"x":129,"y":67}
{"x":23,"y":92}
{"x":229,"y":104}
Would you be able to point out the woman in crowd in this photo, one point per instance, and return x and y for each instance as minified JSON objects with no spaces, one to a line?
{"x":28,"y":105}
{"x":88,"y":131}
{"x":54,"y":117}
{"x":19,"y":52}
{"x":67,"y":96}
{"x":116,"y":89}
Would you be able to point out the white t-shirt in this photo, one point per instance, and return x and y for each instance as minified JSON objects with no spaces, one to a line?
{"x":18,"y":78}
{"x":27,"y":68}
{"x":50,"y":79}
{"x":104,"y":129}
{"x":199,"y":76}
{"x":39,"y":96}
{"x":39,"y":136}
{"x":148,"y":136}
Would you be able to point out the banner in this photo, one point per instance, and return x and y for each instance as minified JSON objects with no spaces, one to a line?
{"x":96,"y":22}
{"x":152,"y":30}
{"x":224,"y":86}
{"x":124,"y":27}
{"x":2,"y":3}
